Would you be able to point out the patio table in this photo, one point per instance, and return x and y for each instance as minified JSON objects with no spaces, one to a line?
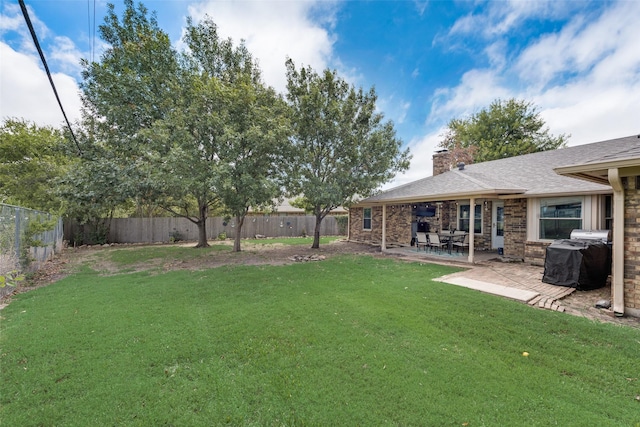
{"x":448,"y":239}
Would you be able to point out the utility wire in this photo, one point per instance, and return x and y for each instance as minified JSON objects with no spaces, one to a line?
{"x":92,"y":28}
{"x":93,"y":34}
{"x":25,"y":13}
{"x":89,"y":25}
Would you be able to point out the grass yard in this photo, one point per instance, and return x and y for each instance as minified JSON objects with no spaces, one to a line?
{"x":296,"y":241}
{"x":353,"y":340}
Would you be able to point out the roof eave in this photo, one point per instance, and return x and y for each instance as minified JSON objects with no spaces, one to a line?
{"x":495,"y":193}
{"x":599,"y":172}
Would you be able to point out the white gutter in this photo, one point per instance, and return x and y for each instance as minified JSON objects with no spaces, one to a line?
{"x":617,"y":271}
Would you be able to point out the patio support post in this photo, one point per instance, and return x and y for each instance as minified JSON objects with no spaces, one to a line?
{"x":472,"y":227}
{"x":617,"y":271}
{"x":383,"y":245}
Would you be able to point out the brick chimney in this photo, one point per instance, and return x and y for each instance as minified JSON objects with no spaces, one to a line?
{"x":441,"y":162}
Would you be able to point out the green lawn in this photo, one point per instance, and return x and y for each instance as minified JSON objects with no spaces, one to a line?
{"x":293,"y":240}
{"x":346,"y":341}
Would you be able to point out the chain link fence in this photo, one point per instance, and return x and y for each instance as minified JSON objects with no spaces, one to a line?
{"x":28,"y":238}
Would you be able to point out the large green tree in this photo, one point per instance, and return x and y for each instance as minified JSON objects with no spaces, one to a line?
{"x":254,"y":152}
{"x":252,"y":143}
{"x":32,"y":159}
{"x":342,"y":146}
{"x":504,"y":129}
{"x":123,"y":95}
{"x":163,"y":117}
{"x":191,"y":130}
{"x":227,"y":136}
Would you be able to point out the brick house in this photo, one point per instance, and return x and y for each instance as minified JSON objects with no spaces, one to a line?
{"x":520,"y":205}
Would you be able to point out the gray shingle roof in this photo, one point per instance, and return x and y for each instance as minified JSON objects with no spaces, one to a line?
{"x":528,"y":175}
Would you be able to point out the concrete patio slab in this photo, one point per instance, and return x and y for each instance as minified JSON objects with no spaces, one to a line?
{"x":490,"y":288}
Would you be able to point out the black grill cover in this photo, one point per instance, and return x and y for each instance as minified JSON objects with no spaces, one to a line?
{"x":577,"y":263}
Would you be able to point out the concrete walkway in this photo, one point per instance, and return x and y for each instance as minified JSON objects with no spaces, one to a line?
{"x":490,"y":288}
{"x":517,"y":281}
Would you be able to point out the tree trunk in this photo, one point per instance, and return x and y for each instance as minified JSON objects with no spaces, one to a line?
{"x":236,"y":241}
{"x":202,"y":227}
{"x":316,"y":232}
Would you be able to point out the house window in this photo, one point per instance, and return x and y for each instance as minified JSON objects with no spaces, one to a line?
{"x":464,"y":216}
{"x":366,"y":219}
{"x":608,"y":212}
{"x":559,"y":216}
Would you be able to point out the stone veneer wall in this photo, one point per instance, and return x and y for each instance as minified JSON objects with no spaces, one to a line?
{"x":632,"y":245}
{"x":398,"y":225}
{"x":482,"y":242}
{"x":441,"y":162}
{"x":535,"y":252}
{"x":447,"y":216}
{"x":515,"y":228}
{"x":357,"y":233}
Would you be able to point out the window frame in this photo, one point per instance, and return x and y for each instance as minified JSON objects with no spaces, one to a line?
{"x":479,"y":220}
{"x":544,"y":202}
{"x":365,"y":219}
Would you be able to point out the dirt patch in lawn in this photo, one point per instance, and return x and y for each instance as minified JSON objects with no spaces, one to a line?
{"x":252,"y":254}
{"x":580,"y":303}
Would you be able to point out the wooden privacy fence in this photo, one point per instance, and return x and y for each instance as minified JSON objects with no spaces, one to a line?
{"x":153,"y":230}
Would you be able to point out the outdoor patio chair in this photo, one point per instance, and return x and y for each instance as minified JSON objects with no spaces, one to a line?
{"x":434,"y":241}
{"x":421,"y":240}
{"x":462,"y":242}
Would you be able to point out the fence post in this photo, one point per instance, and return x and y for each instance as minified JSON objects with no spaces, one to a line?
{"x":16,"y":242}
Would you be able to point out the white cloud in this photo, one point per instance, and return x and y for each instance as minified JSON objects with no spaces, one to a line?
{"x":422,"y":151}
{"x":26,"y":91}
{"x":12,"y":20}
{"x":274,"y":31}
{"x":498,"y":18}
{"x":584,"y":78}
{"x":477,"y":89}
{"x":599,"y":99}
{"x":404,"y":108}
{"x":24,"y":85}
{"x":393,"y":109}
{"x":66,"y":55}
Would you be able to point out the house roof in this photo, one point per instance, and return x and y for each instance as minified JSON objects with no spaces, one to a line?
{"x":285,"y":207}
{"x":627,"y":160}
{"x":530,"y":175}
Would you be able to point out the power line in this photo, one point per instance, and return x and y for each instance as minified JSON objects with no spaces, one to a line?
{"x":25,"y":13}
{"x":93,"y":34}
{"x":92,"y":29}
{"x":89,"y":25}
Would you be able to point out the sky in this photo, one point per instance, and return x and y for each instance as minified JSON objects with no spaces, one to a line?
{"x":577,"y":61}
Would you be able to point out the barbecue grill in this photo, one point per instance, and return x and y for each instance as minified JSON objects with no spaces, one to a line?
{"x":582,"y":262}
{"x":602,"y":235}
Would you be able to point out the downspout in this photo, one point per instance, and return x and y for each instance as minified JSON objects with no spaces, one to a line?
{"x":472,"y":228}
{"x":383,"y":245}
{"x":617,"y":271}
{"x":349,"y":226}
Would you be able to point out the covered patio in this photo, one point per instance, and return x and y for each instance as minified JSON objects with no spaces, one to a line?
{"x":459,"y":229}
{"x":456,"y":257}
